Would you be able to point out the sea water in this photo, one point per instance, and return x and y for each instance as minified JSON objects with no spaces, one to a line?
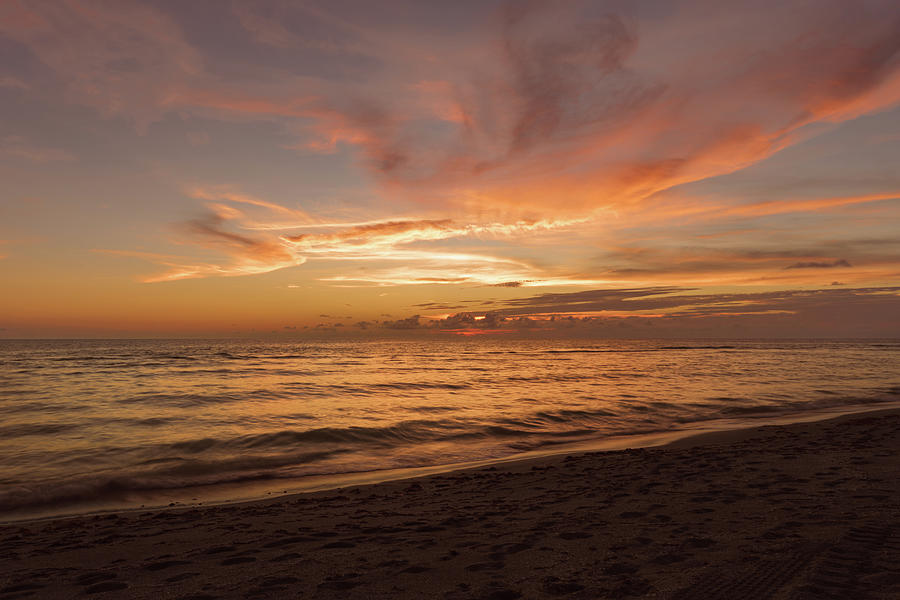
{"x":116,"y":422}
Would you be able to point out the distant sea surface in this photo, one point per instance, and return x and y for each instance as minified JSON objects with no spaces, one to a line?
{"x":117,"y":422}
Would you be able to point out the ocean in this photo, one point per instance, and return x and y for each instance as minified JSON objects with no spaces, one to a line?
{"x":106,"y":424}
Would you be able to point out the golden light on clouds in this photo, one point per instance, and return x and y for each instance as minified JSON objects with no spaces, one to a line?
{"x":470,"y":154}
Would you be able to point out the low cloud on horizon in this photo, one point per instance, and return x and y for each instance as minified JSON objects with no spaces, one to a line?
{"x":668,"y":312}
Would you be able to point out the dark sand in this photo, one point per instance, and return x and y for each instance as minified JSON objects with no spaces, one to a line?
{"x":804,"y":511}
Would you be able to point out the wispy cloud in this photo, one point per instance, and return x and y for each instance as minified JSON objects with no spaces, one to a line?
{"x":266,"y":30}
{"x":776,"y":207}
{"x":237,"y":251}
{"x":402,"y":241}
{"x":251,"y":244}
{"x":819,"y":265}
{"x":123,"y":58}
{"x":21,"y":148}
{"x":678,"y":301}
{"x":286,"y":26}
{"x":390,"y":233}
{"x":252,"y":235}
{"x":228,"y":193}
{"x":13,"y":83}
{"x":247,"y":257}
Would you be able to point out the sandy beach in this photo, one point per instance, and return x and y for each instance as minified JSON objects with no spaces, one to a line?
{"x":795,"y":512}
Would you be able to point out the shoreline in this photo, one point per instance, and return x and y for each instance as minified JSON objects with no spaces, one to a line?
{"x":797,"y":512}
{"x":716,"y":431}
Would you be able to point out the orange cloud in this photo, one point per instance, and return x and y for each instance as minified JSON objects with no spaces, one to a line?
{"x":250,"y":248}
{"x":774,"y":207}
{"x":251,"y":244}
{"x":249,"y":257}
{"x":569,"y":112}
{"x":227,"y":193}
{"x":246,"y":253}
{"x":545,"y":117}
{"x":545,"y":105}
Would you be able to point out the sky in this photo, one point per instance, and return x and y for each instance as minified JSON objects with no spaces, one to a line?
{"x":413,"y":168}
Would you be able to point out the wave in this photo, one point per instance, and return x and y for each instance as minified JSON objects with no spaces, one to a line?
{"x":749,"y":410}
{"x":119,"y":487}
{"x":406,"y":434}
{"x":697,"y":348}
{"x":32,"y":429}
{"x":188,"y":400}
{"x":44,"y":408}
{"x":190,"y":468}
{"x":420,"y":386}
{"x":567,"y":415}
{"x":431,"y":409}
{"x":623,"y":350}
{"x":550,"y":377}
{"x":830,"y":401}
{"x":277,"y":455}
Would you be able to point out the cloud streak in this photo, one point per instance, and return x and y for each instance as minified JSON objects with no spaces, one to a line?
{"x":665,"y":311}
{"x":820,"y":265}
{"x":254,"y":248}
{"x":258,"y":236}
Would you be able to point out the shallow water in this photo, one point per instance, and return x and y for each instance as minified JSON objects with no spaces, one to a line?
{"x":92,"y":420}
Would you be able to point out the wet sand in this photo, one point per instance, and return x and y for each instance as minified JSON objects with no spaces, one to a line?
{"x":795,"y":512}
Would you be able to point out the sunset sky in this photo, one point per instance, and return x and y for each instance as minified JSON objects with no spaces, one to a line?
{"x":623,"y":168}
